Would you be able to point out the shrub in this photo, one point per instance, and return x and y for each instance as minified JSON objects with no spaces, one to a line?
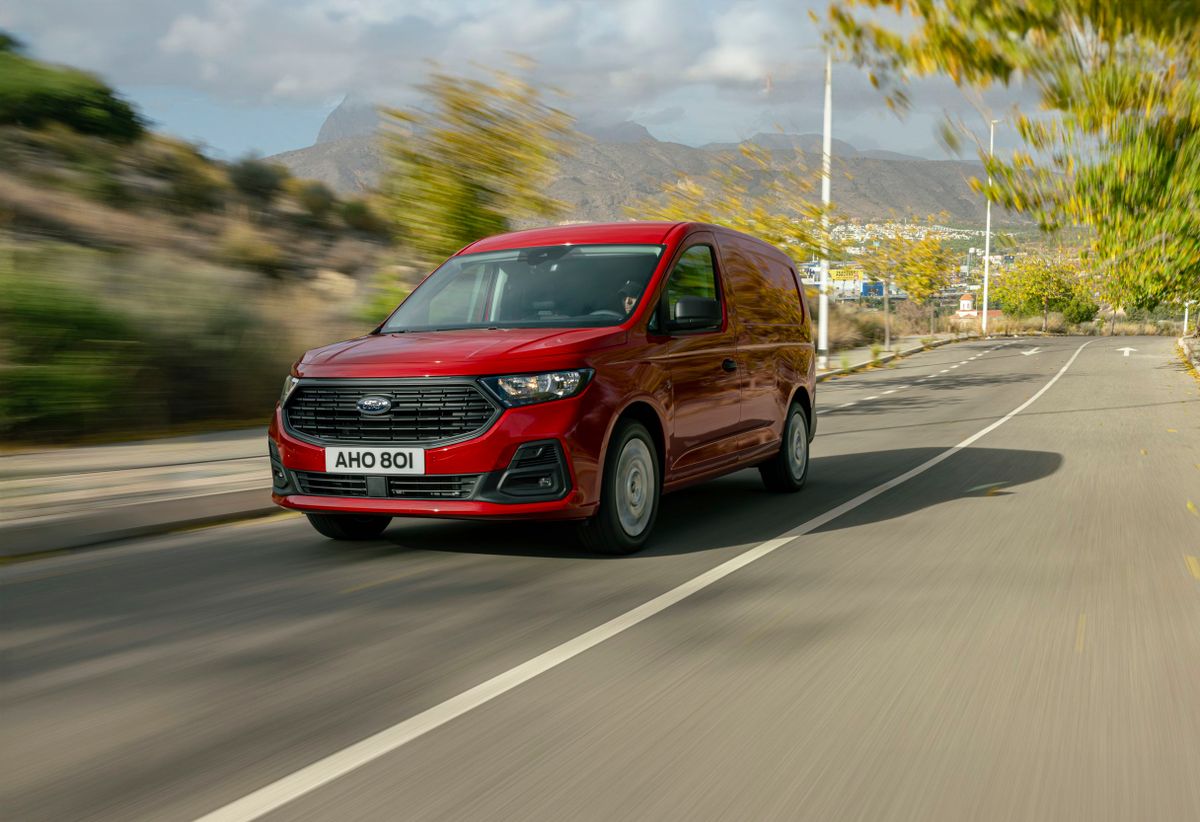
{"x":1080,"y":309}
{"x":242,"y":245}
{"x":257,"y":180}
{"x":193,"y":182}
{"x":876,"y":349}
{"x":70,"y":362}
{"x":35,"y":94}
{"x":359,"y":216}
{"x":316,"y":199}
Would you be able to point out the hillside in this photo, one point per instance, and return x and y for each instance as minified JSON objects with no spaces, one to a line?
{"x":622,"y":163}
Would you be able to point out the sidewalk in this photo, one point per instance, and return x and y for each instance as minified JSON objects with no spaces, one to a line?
{"x":58,"y":498}
{"x":70,"y":497}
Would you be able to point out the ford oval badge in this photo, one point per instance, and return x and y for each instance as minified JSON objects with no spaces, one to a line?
{"x":374,"y":406}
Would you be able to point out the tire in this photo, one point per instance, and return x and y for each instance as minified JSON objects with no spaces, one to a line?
{"x":787,"y":471}
{"x":629,"y":494}
{"x":349,"y":526}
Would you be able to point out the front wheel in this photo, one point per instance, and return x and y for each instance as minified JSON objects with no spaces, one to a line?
{"x":787,"y":471}
{"x":349,"y":526}
{"x":629,"y":494}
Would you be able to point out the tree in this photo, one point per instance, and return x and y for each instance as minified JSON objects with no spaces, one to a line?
{"x":258,"y":180}
{"x":1035,"y":285}
{"x":751,"y":190}
{"x":35,"y":94}
{"x":1121,"y":153}
{"x":480,"y":158}
{"x":918,"y":266}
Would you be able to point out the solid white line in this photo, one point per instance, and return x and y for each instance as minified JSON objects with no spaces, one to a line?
{"x":323,"y":771}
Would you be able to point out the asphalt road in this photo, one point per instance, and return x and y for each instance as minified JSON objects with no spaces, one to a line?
{"x":1010,"y":632}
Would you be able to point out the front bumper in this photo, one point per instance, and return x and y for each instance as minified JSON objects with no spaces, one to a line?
{"x":576,"y":431}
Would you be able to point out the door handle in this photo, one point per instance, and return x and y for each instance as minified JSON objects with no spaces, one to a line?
{"x":729,"y":365}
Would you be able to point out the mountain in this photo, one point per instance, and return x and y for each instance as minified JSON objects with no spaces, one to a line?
{"x":623,"y":162}
{"x":352,"y":118}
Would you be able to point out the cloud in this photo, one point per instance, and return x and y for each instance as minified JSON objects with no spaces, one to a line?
{"x":760,"y":59}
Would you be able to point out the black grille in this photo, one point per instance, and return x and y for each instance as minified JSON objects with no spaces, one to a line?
{"x":430,"y":486}
{"x":420,"y":413}
{"x":449,"y":486}
{"x":333,"y":485}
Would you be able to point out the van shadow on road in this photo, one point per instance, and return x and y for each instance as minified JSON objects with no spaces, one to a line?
{"x":736,"y":510}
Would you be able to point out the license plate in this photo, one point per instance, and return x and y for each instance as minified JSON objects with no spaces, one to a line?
{"x":374,"y":461}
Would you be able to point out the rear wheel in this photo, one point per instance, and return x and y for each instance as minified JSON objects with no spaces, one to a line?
{"x":787,"y":471}
{"x":349,"y":526}
{"x":629,"y":494}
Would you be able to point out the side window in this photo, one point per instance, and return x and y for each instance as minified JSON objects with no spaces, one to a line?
{"x":694,"y":276}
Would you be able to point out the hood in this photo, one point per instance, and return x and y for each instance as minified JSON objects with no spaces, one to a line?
{"x":457,"y":353}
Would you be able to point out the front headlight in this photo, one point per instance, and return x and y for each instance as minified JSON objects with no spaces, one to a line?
{"x":289,"y":385}
{"x":526,"y":389}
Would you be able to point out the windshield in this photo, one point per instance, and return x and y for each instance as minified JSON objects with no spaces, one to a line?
{"x":558,"y":286}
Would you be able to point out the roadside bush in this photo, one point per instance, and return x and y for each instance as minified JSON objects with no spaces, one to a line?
{"x":316,"y":199}
{"x":244,"y":246}
{"x":359,"y":216}
{"x":94,"y":345}
{"x":257,"y":180}
{"x":193,"y":182}
{"x":35,"y":94}
{"x":70,"y":363}
{"x":1080,"y":309}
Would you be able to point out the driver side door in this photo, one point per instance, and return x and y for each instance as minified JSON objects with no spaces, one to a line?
{"x":701,"y":365}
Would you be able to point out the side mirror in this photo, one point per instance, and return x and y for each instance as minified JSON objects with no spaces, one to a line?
{"x":694,"y":313}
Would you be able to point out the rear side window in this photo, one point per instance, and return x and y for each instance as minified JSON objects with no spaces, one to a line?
{"x":694,"y":275}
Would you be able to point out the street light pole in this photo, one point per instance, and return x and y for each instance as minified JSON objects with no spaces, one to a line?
{"x":987,"y":234}
{"x":826,"y":151}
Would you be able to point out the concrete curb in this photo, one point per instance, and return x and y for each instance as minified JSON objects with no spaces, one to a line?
{"x":1191,"y":350}
{"x":828,"y":375}
{"x":88,"y":528}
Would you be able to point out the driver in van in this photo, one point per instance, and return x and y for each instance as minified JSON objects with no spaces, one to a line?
{"x":629,"y":296}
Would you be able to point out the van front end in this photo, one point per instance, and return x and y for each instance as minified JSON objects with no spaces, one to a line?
{"x":432,"y":448}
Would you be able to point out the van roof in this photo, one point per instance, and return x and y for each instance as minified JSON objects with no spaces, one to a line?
{"x":632,"y":233}
{"x":583,"y":233}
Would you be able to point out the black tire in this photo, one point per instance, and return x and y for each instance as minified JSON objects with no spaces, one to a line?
{"x":605,"y":533}
{"x":787,"y":471}
{"x":349,"y":526}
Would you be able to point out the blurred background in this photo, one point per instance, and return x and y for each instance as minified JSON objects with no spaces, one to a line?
{"x":161,"y":270}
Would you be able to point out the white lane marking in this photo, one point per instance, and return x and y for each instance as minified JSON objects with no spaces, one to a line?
{"x":846,"y":404}
{"x":953,"y":367}
{"x":944,"y":371}
{"x":964,"y":362}
{"x":872,"y":397}
{"x":890,"y":391}
{"x":323,"y":771}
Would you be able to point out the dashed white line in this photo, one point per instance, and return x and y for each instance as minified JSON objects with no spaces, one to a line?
{"x":892,"y":391}
{"x":872,"y":397}
{"x":311,"y":777}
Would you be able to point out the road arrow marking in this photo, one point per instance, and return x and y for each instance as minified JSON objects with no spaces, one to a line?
{"x":1031,"y":351}
{"x":1127,"y":350}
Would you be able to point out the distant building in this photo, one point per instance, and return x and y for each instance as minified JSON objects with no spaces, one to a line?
{"x":966,"y":305}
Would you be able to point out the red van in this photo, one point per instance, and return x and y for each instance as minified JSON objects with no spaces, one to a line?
{"x":568,"y":373}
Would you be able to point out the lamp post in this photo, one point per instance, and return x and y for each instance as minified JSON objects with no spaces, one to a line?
{"x":987,"y":234}
{"x":826,"y":150}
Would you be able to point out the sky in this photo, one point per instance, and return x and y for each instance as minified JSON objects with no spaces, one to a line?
{"x":260,"y":76}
